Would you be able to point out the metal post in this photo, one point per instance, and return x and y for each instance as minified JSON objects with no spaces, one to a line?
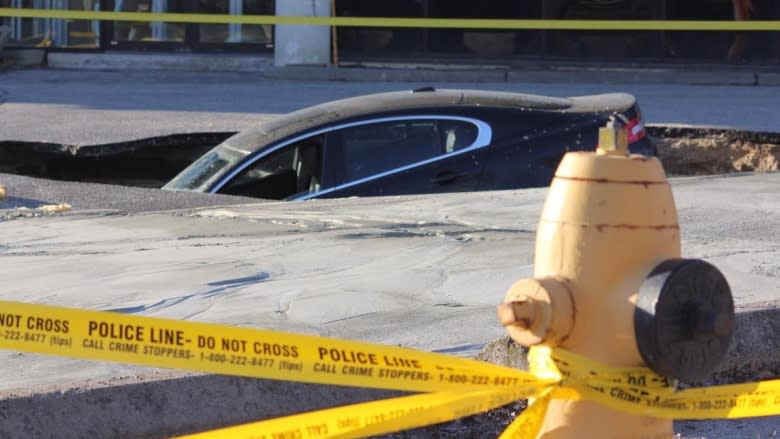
{"x":159,"y":29}
{"x":236,"y":7}
{"x":334,"y":43}
{"x":59,"y":27}
{"x":41,"y":25}
{"x":16,"y":22}
{"x":95,"y":25}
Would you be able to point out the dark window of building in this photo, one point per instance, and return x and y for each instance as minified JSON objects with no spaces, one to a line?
{"x":512,"y":46}
{"x":397,"y":42}
{"x":389,"y":40}
{"x":603,"y":44}
{"x":734,"y":46}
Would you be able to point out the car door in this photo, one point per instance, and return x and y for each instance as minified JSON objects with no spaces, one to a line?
{"x":404,"y":155}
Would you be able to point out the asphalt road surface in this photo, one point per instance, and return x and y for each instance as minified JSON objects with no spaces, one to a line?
{"x":83,"y":108}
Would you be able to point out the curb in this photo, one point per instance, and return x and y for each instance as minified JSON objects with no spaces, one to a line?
{"x":769,"y":79}
{"x":427,"y":73}
{"x":636,"y":76}
{"x":151,"y":407}
{"x":21,"y":58}
{"x":188,"y":62}
{"x":404,"y":73}
{"x":263,"y":65}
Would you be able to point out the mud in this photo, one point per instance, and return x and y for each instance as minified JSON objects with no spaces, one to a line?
{"x":691,"y":151}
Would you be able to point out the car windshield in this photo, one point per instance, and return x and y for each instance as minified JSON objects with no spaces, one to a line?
{"x":199,"y":175}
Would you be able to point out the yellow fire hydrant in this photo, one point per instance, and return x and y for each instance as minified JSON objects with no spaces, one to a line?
{"x":609,"y":285}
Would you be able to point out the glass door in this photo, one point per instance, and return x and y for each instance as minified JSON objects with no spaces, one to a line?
{"x":145,"y":32}
{"x":236,"y":33}
{"x":53,"y":32}
{"x":192,"y":36}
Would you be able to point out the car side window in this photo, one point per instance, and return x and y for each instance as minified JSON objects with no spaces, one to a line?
{"x":291,"y":170}
{"x":375,"y":148}
{"x":372,"y":149}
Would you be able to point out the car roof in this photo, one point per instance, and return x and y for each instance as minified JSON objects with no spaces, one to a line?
{"x":373,"y":105}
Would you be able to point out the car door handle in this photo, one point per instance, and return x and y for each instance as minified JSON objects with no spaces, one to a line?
{"x":445,"y":177}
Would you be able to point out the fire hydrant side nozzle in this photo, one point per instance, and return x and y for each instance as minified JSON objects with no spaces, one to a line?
{"x":538,"y":310}
{"x":605,"y":250}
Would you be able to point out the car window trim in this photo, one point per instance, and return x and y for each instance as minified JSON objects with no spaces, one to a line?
{"x":483,"y":139}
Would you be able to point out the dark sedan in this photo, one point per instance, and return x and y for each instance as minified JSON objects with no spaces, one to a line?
{"x":423,"y":141}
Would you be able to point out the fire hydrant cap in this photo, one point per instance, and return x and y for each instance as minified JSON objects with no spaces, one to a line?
{"x":637,"y":169}
{"x":605,"y":190}
{"x":684,"y":319}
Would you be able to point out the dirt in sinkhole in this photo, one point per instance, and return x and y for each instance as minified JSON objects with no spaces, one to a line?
{"x":717,"y":153}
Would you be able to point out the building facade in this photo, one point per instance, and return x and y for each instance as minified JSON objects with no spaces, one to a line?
{"x":355,"y":44}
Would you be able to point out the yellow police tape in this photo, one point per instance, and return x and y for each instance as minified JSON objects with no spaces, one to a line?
{"x":458,"y":386}
{"x":641,"y":391}
{"x":238,"y":351}
{"x":458,"y":23}
{"x":381,"y":417}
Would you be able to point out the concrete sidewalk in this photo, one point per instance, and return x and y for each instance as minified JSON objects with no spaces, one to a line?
{"x":540,"y":72}
{"x":477,"y":71}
